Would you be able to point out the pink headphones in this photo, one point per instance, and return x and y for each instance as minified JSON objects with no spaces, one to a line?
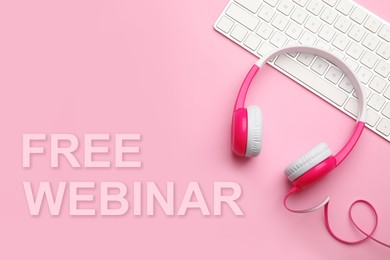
{"x":247,"y":126}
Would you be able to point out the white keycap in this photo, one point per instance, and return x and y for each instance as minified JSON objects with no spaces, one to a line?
{"x":358,"y":15}
{"x":378,"y":84}
{"x":384,"y":127}
{"x":299,"y":15}
{"x":387,"y":93}
{"x":370,"y":41}
{"x":313,"y":24}
{"x":323,"y":45}
{"x":307,"y":38}
{"x":384,"y":32}
{"x":294,"y":30}
{"x":305,"y":58}
{"x":291,"y":43}
{"x":271,"y":2}
{"x":364,"y":75}
{"x":372,"y":24}
{"x":251,"y":5}
{"x":337,"y":53}
{"x":346,"y":85}
{"x":330,"y":2}
{"x":384,"y":50}
{"x":333,"y":75}
{"x":352,"y":106}
{"x":285,"y":7}
{"x":225,"y":24}
{"x":266,"y":13}
{"x":320,"y":66}
{"x":352,"y":64}
{"x":366,"y":92}
{"x":356,"y":33}
{"x":264,"y":31}
{"x":386,"y":110}
{"x":342,"y":24}
{"x":355,"y":50}
{"x":239,"y":33}
{"x":242,"y":16}
{"x":340,"y":42}
{"x":383,"y":68}
{"x":265,"y":49}
{"x":344,"y":7}
{"x":252,"y":42}
{"x":315,"y":7}
{"x":372,"y":117}
{"x":328,"y":15}
{"x":280,"y":22}
{"x":376,"y":102}
{"x":278,"y":39}
{"x":319,"y":85}
{"x":369,"y":59}
{"x":327,"y":33}
{"x":301,"y":2}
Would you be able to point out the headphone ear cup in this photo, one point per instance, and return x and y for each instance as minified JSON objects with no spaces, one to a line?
{"x":255,"y":131}
{"x":308,"y":161}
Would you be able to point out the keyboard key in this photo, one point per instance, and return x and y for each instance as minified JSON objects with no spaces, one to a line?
{"x":328,"y":15}
{"x":264,"y":31}
{"x":387,"y":93}
{"x":307,"y":38}
{"x":319,"y":85}
{"x":384,"y":32}
{"x":266,"y":13}
{"x":337,"y":53}
{"x":340,"y":42}
{"x":344,"y":7}
{"x":376,"y":102}
{"x":364,"y":75}
{"x":305,"y":58}
{"x":333,"y":75}
{"x":265,"y":49}
{"x":370,"y":41}
{"x":383,"y":68}
{"x":320,"y":66}
{"x":327,"y":33}
{"x":356,"y":33}
{"x":330,"y":2}
{"x":225,"y":24}
{"x":251,"y":5}
{"x":278,"y":39}
{"x":271,"y":2}
{"x":346,"y":85}
{"x":366,"y":92}
{"x":285,"y":7}
{"x":372,"y":24}
{"x":239,"y":33}
{"x":323,"y":45}
{"x":372,"y":117}
{"x":280,"y":22}
{"x":313,"y":24}
{"x":352,"y":106}
{"x":301,"y":2}
{"x":355,"y":50}
{"x":378,"y":84}
{"x":384,"y":50}
{"x":369,"y":59}
{"x":386,"y":110}
{"x":358,"y":15}
{"x":242,"y":16}
{"x":252,"y":42}
{"x":384,"y":127}
{"x":294,"y":30}
{"x":342,"y":24}
{"x":299,"y":15}
{"x":291,"y":43}
{"x":352,"y":64}
{"x":315,"y":7}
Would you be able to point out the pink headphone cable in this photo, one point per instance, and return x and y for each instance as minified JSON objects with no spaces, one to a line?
{"x":325,"y":205}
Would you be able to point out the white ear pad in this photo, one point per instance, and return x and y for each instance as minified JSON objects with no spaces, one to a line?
{"x":308,"y":161}
{"x":254,"y":134}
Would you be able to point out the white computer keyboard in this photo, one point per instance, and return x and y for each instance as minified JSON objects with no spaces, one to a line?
{"x":350,"y":31}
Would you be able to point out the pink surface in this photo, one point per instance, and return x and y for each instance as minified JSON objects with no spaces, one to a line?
{"x":84,"y":67}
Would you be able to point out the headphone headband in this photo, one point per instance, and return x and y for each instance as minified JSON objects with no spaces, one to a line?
{"x":355,"y":82}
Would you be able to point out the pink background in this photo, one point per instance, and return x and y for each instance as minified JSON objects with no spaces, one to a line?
{"x":159,"y":68}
